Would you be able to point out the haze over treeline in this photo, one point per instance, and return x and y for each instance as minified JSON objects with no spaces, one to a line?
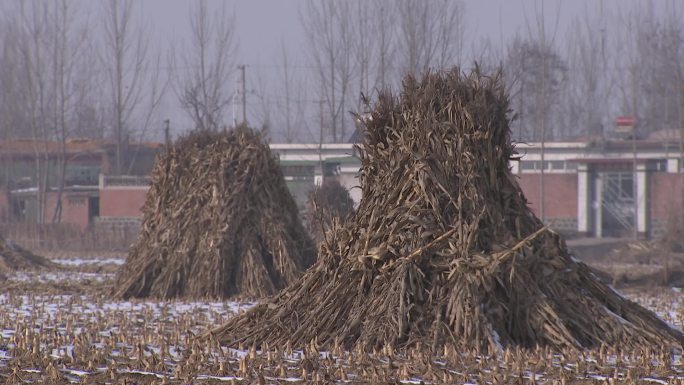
{"x":74,"y":69}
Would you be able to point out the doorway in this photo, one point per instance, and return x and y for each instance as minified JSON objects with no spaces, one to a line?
{"x":615,"y":195}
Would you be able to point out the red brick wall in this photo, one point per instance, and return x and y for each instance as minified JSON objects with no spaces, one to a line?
{"x":560,"y":194}
{"x":122,"y":202}
{"x":74,"y":208}
{"x":667,"y":192}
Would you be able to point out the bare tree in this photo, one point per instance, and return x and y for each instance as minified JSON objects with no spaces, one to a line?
{"x":486,"y":55}
{"x":586,"y":94}
{"x":287,"y":81}
{"x":262,"y":116}
{"x":364,"y":45}
{"x":430,"y":34}
{"x":117,"y":47}
{"x":384,"y":32}
{"x":535,"y":74}
{"x":13,"y":121}
{"x":328,"y":29}
{"x":12,"y":104}
{"x":208,"y":64}
{"x":663,"y":81}
{"x":135,"y":88}
{"x":51,"y":46}
{"x":642,"y":76}
{"x":291,"y":104}
{"x":33,"y":30}
{"x":66,"y":49}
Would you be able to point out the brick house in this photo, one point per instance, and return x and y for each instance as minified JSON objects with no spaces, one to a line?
{"x":80,"y":197}
{"x":590,"y":188}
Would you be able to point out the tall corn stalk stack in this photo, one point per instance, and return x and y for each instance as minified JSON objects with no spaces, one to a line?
{"x":14,"y":257}
{"x":328,"y":205}
{"x":218,"y":221}
{"x":443,"y":251}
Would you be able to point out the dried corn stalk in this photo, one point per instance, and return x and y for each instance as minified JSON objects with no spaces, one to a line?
{"x":443,"y":250}
{"x":328,"y":204}
{"x":218,"y":221}
{"x":14,"y":257}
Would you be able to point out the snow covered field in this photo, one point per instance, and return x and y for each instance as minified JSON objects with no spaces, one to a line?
{"x":60,"y":327}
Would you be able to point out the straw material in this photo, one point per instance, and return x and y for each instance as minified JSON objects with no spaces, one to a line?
{"x":13,"y":257}
{"x":443,"y":250}
{"x":218,"y":221}
{"x":328,"y":205}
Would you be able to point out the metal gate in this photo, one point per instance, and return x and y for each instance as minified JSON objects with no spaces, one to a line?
{"x":616,"y":195}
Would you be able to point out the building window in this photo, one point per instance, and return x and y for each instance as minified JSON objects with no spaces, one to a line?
{"x":297,"y":172}
{"x":529,"y":165}
{"x":76,"y":201}
{"x":549,"y":165}
{"x":556,"y":164}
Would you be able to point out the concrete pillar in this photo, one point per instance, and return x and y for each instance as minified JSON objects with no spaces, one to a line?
{"x":318,"y":174}
{"x":642,"y":200}
{"x":515,"y":166}
{"x":597,"y":206}
{"x":583,"y":200}
{"x":673,"y":165}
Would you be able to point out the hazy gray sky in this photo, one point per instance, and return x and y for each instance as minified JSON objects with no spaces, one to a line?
{"x":263,"y":27}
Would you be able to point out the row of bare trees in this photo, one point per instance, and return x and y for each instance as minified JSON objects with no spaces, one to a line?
{"x":563,"y":84}
{"x":78,"y":75}
{"x":358,"y":47}
{"x":73,"y":72}
{"x":89,"y":70}
{"x":625,"y":62}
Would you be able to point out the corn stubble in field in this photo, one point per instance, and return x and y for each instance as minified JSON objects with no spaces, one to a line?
{"x":218,"y":221}
{"x":51,"y":337}
{"x":442,"y":276}
{"x":443,"y":251}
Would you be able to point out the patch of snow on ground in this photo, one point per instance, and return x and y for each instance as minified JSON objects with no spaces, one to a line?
{"x":89,"y":261}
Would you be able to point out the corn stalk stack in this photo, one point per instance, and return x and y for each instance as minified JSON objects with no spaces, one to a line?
{"x":13,"y":257}
{"x":218,"y":221}
{"x":443,"y":250}
{"x":328,"y":205}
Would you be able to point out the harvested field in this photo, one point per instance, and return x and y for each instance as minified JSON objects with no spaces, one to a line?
{"x":49,"y":335}
{"x":443,"y":251}
{"x":443,"y":275}
{"x":218,"y":221}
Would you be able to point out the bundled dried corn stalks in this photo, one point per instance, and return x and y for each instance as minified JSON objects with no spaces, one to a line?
{"x":218,"y":221}
{"x":328,"y":205}
{"x":14,"y":257}
{"x":443,"y":250}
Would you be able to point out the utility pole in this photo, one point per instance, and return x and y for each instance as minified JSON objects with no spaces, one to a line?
{"x":320,"y":137}
{"x":543,"y":118}
{"x":244,"y":94}
{"x":167,"y":132}
{"x":522,"y":101}
{"x":320,"y":116}
{"x":635,"y":181}
{"x":333,"y":107}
